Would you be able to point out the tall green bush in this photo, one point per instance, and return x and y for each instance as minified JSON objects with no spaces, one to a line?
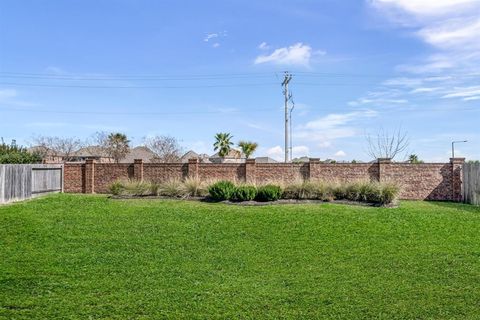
{"x":14,"y":154}
{"x":244,"y":193}
{"x":269,"y":192}
{"x":221,"y":190}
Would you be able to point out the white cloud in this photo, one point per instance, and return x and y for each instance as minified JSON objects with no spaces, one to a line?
{"x":325,"y":130}
{"x":297,"y":54}
{"x":426,"y":8}
{"x":276,"y":153}
{"x":263,"y":46}
{"x":6,"y":94}
{"x":300,"y":151}
{"x":210,"y":36}
{"x":340,"y":154}
{"x":452,"y":34}
{"x":452,"y":29}
{"x":215,"y":37}
{"x":465,"y":92}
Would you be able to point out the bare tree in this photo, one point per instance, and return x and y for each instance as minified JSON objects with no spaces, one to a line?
{"x":387,"y":144}
{"x":57,"y":147}
{"x":166,"y":148}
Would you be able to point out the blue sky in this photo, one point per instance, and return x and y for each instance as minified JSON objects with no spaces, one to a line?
{"x":191,"y":69}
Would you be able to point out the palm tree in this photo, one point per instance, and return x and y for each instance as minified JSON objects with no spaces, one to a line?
{"x":248,"y":147}
{"x":223,"y":143}
{"x":117,"y":146}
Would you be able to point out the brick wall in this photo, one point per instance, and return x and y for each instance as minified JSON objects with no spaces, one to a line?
{"x":431,"y":181}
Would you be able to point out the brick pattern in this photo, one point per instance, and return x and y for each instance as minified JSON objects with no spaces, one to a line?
{"x":344,"y":172}
{"x":284,"y":172}
{"x":159,"y":172}
{"x":107,"y":173}
{"x":429,"y":181}
{"x":74,"y":177}
{"x":221,"y":171}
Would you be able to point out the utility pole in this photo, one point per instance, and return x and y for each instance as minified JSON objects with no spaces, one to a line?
{"x":291,"y":135}
{"x":287,"y":96}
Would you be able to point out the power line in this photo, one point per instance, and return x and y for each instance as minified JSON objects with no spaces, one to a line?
{"x":213,"y":76}
{"x":138,"y":87}
{"x":133,"y":113}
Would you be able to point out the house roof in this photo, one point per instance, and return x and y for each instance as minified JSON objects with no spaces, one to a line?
{"x":42,"y":150}
{"x":140,"y":152}
{"x":92,"y":151}
{"x":265,"y":160}
{"x":232,"y":154}
{"x":193,"y":155}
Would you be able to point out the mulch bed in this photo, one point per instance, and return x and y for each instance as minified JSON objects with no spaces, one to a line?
{"x":257,"y":203}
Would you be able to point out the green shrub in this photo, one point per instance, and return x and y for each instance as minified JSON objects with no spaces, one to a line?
{"x":269,"y":192}
{"x":221,"y":190}
{"x":116,"y":188}
{"x":14,"y":154}
{"x":244,"y":193}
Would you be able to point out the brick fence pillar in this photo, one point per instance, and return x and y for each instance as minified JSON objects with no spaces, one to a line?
{"x":193,"y":168}
{"x":138,"y":169}
{"x":311,"y":167}
{"x":383,"y":165}
{"x":89,"y":176}
{"x":457,"y":167}
{"x":250,"y":171}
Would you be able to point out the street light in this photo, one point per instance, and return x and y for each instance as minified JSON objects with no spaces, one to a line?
{"x":453,"y":146}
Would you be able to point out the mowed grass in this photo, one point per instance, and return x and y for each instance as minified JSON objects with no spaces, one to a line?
{"x":90,"y":257}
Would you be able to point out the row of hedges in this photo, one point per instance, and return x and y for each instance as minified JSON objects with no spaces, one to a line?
{"x":371,"y":192}
{"x":226,"y":190}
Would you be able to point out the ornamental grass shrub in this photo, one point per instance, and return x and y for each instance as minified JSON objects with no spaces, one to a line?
{"x":384,"y":193}
{"x":132,"y":187}
{"x":172,"y":188}
{"x":194,"y":187}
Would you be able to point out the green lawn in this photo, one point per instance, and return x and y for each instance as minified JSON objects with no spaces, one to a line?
{"x":82,"y":257}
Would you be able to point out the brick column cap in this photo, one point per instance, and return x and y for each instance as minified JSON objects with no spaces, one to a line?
{"x":457,"y":160}
{"x":137,"y":160}
{"x":250,"y":161}
{"x":384,"y":160}
{"x":314,"y":159}
{"x":89,"y":161}
{"x":193,"y":160}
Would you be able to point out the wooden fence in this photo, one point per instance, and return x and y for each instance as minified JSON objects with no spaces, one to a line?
{"x":471,"y":183}
{"x":24,"y":181}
